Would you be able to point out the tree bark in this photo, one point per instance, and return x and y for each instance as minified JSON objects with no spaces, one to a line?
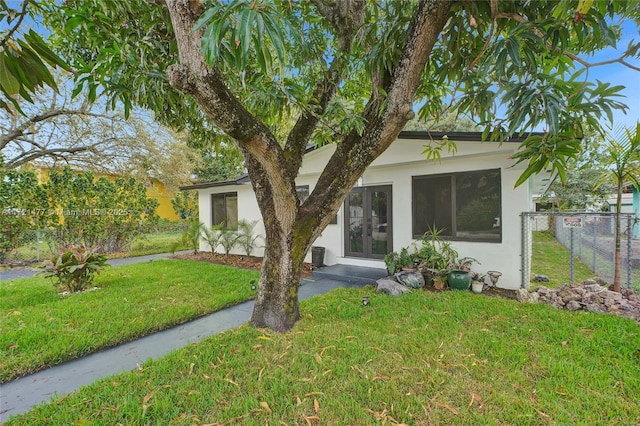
{"x":290,"y":227}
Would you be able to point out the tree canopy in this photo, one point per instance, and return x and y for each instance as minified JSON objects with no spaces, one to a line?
{"x":277,"y":75}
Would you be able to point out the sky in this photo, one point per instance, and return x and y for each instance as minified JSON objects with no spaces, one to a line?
{"x":618,"y":74}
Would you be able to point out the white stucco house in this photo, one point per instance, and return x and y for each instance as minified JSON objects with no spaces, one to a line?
{"x":470,"y":195}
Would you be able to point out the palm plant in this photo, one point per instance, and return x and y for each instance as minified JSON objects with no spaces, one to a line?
{"x":623,"y":150}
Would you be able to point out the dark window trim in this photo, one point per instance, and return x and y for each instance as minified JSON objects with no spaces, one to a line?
{"x":453,"y":176}
{"x":224,"y":195}
{"x":334,"y":220}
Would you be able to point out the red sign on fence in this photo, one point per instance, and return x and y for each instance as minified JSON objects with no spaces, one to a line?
{"x":572,"y":222}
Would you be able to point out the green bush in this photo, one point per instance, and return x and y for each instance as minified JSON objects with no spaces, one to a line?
{"x":23,"y":206}
{"x":74,"y":267}
{"x":99,"y":211}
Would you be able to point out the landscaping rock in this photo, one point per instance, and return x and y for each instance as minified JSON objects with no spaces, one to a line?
{"x":541,"y":279}
{"x":389,"y":286}
{"x":411,"y":279}
{"x":524,"y":296}
{"x":591,"y":296}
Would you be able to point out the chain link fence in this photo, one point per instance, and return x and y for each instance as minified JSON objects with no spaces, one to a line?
{"x":589,"y":237}
{"x":36,"y":245}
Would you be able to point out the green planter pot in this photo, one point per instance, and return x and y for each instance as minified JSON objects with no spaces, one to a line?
{"x":459,"y":280}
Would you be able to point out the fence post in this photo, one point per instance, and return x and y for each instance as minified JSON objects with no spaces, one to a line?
{"x":594,"y":268}
{"x":525,"y":235}
{"x":571,"y":265}
{"x":629,"y":252}
{"x":38,"y":245}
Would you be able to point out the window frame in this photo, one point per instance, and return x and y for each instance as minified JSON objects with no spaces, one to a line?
{"x":305,"y":189}
{"x":454,"y":219}
{"x":224,"y":196}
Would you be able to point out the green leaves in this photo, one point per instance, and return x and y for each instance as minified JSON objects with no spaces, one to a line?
{"x":547,"y":152}
{"x":237,"y":31}
{"x":25,"y":61}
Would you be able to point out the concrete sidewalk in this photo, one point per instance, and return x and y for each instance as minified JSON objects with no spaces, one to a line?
{"x":21,"y":395}
{"x":12,"y":274}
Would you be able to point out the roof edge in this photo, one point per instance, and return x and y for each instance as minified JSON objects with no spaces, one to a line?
{"x":241,"y":180}
{"x":458,"y":136}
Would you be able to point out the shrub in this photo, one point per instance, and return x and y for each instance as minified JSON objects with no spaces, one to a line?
{"x":212,"y":236}
{"x":228,"y":239}
{"x":246,"y":239}
{"x":191,"y":237}
{"x":74,"y":267}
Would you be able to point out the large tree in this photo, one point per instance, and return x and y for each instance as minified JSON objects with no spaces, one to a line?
{"x":278,"y":75}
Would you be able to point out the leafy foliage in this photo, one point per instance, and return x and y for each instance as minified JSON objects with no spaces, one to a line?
{"x":75,"y":267}
{"x":229,"y":237}
{"x":191,"y":236}
{"x":212,"y":236}
{"x":25,"y":58}
{"x":24,"y":207}
{"x":224,"y":165}
{"x":247,"y":239}
{"x":99,"y":211}
{"x":185,"y":204}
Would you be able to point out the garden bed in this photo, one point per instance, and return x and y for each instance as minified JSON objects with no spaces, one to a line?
{"x":238,"y":261}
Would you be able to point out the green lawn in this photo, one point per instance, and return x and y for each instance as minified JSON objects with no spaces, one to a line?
{"x":451,"y":358}
{"x":551,"y":258}
{"x":40,"y":328}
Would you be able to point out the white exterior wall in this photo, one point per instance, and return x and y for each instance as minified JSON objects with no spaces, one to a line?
{"x":247,"y":209}
{"x":396,"y":167}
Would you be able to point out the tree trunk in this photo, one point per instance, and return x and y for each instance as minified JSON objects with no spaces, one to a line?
{"x":276,"y":303}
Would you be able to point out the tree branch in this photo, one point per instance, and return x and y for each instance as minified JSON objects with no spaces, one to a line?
{"x":52,"y":152}
{"x":345,"y":29}
{"x":383,"y":125}
{"x":11,"y":31}
{"x":570,"y":55}
{"x":20,"y":130}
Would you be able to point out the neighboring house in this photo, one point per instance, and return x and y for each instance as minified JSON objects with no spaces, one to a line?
{"x":630,"y":204}
{"x":470,"y":195}
{"x":155,"y":189}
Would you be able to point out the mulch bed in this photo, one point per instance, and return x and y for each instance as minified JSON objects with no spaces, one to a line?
{"x":255,"y":263}
{"x":235,"y":260}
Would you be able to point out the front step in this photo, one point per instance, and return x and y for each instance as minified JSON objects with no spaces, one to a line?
{"x":350,"y":273}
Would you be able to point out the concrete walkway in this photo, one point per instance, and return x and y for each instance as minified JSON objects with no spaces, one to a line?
{"x":21,"y":395}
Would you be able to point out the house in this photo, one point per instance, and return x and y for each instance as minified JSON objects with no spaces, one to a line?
{"x":630,"y":204}
{"x":471,"y":196}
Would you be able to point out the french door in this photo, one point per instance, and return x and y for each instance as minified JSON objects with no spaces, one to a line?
{"x":367,"y":227}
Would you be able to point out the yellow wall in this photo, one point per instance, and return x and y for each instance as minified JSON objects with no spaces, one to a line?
{"x":160,"y":193}
{"x":156,"y":190}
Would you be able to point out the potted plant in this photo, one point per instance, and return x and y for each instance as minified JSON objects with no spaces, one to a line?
{"x":439,"y":281}
{"x":477,"y":282}
{"x":391,"y":260}
{"x":459,"y":273}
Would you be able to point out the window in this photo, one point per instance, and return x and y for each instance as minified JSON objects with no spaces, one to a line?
{"x":465,"y":206}
{"x":224,"y":209}
{"x":303,"y":194}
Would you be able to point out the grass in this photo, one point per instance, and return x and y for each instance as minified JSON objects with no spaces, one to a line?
{"x":551,"y":258}
{"x":39,"y":328}
{"x":450,"y":358}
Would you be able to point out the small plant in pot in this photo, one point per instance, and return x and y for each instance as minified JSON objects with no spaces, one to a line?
{"x":477,"y":282}
{"x":440,"y":280}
